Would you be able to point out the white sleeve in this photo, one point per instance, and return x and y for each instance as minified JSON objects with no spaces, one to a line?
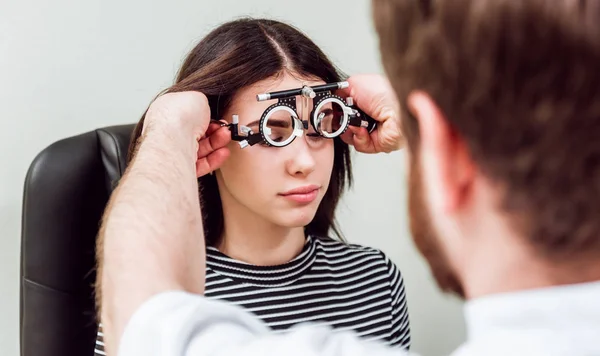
{"x":183,"y":324}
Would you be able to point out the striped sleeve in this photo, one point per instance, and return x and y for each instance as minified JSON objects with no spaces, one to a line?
{"x":99,"y":349}
{"x":400,"y":335}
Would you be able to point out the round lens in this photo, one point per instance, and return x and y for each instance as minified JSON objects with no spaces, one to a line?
{"x":278,"y":127}
{"x":330,"y":120}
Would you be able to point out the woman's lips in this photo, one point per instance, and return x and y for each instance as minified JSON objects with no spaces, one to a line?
{"x":304,"y":195}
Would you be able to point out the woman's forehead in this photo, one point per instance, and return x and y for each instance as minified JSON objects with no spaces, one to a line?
{"x":283,"y":82}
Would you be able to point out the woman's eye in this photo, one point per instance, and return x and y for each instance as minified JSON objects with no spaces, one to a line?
{"x":274,"y":139}
{"x":326,"y":112}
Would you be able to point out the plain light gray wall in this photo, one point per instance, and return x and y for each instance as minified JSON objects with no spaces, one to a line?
{"x":71,"y":66}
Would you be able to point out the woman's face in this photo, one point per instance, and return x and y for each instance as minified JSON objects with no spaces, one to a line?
{"x":259,"y":181}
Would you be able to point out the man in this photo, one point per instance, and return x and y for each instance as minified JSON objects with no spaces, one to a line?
{"x":500,"y":110}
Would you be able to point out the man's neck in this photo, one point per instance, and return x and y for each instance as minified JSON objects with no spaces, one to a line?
{"x":511,"y":267}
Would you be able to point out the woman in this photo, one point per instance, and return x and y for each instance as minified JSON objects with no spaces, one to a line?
{"x":268,"y":210}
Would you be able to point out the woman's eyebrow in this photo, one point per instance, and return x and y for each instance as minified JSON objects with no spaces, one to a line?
{"x":253,"y":123}
{"x":272,"y":123}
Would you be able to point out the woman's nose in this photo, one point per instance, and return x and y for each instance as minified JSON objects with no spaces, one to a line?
{"x":301,"y":161}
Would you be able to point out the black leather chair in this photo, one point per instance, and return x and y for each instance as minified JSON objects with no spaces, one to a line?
{"x":66,"y":190}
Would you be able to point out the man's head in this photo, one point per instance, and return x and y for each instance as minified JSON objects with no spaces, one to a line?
{"x":501,"y":110}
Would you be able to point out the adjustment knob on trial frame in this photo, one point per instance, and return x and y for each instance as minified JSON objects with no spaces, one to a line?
{"x":365,"y":120}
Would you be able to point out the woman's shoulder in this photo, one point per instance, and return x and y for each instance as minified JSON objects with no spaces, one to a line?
{"x":339,"y":245}
{"x":331,"y":247}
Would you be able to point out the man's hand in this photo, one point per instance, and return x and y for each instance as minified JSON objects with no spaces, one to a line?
{"x":190,"y":111}
{"x":212,"y":149}
{"x":374,"y":95}
{"x":152,"y":238}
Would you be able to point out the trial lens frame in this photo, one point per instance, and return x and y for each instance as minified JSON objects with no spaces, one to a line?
{"x":321,"y":96}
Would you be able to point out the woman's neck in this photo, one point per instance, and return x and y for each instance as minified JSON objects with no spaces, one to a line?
{"x":256,"y":241}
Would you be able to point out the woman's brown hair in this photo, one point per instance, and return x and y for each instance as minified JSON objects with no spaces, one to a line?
{"x":238,"y":54}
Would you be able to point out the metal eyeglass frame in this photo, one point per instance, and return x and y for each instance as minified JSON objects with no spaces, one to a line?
{"x":321,"y":95}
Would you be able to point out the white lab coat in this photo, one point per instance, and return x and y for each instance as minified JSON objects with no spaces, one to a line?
{"x":561,"y":320}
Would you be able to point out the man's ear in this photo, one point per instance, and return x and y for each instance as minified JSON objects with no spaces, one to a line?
{"x":447,"y":168}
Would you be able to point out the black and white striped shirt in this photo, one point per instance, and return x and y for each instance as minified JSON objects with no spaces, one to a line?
{"x":345,"y":286}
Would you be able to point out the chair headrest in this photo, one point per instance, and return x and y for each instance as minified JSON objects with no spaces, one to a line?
{"x":66,"y":190}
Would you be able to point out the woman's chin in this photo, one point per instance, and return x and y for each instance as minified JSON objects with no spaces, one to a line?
{"x":298,"y":217}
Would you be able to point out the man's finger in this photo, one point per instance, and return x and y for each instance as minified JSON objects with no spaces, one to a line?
{"x":362,"y":141}
{"x":212,"y":127}
{"x":358,"y":92}
{"x":346,"y":92}
{"x":216,"y":140}
{"x":211,"y":162}
{"x":348,"y":137}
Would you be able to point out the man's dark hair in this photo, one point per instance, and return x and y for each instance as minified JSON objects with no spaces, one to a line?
{"x":519,"y":82}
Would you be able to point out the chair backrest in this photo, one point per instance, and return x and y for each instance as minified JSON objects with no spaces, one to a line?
{"x":66,"y":190}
